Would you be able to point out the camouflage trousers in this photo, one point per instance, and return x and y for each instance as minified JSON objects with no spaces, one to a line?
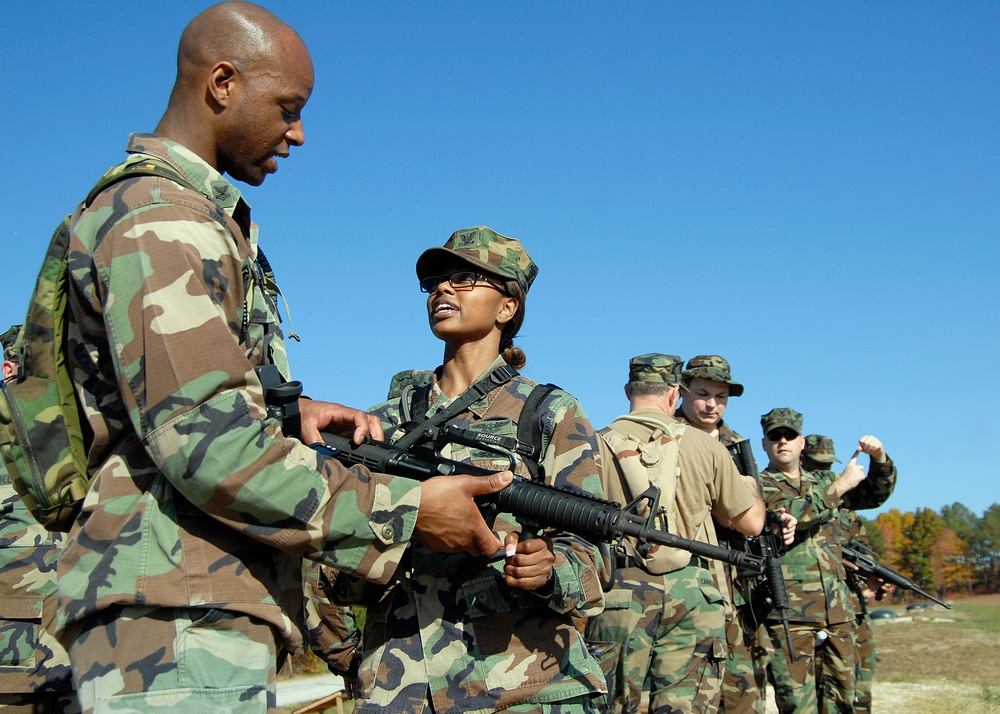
{"x":141,"y":660}
{"x":865,"y":653}
{"x":744,"y":681}
{"x":670,"y":631}
{"x":822,"y":676}
{"x":34,"y":668}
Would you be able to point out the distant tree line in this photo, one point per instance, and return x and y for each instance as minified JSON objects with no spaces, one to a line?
{"x":953,"y":551}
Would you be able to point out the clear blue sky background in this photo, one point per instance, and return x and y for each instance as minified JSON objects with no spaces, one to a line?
{"x":810,"y":189}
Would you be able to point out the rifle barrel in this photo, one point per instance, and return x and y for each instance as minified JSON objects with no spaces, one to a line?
{"x":868,"y":567}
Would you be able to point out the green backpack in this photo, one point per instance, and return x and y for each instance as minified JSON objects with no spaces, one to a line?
{"x":44,"y":436}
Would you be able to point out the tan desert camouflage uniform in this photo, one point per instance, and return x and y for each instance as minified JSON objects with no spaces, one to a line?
{"x":198,"y":500}
{"x":744,"y":680}
{"x":666,"y":616}
{"x":449,"y":634}
{"x":670,"y":627}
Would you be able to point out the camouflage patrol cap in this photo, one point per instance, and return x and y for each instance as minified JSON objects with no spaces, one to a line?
{"x":482,"y":248}
{"x":8,"y":339}
{"x":782,"y":416}
{"x":715,"y":369}
{"x":820,"y":448}
{"x":655,"y":367}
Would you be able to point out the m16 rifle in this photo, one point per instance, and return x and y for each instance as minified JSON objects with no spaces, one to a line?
{"x":866,"y":561}
{"x":767,"y":545}
{"x":535,"y":505}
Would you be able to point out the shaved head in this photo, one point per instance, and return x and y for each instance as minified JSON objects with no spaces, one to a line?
{"x":243,"y":77}
{"x":239,"y":32}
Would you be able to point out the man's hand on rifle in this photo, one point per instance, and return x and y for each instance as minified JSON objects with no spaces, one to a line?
{"x":529,"y":562}
{"x":788,"y":525}
{"x":448,"y":519}
{"x":327,"y":416}
{"x":880,"y":587}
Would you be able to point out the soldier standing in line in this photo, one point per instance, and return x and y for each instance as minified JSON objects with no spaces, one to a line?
{"x":35,"y":676}
{"x":467,"y":634}
{"x":665,"y":611}
{"x":818,"y":455}
{"x":188,"y":548}
{"x":710,"y":384}
{"x":822,"y":613}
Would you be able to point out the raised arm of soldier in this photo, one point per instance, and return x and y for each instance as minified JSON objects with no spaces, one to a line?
{"x":852,"y":475}
{"x":880,"y":481}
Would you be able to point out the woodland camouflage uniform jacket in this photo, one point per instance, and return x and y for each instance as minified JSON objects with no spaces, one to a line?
{"x":198,"y":499}
{"x":813,"y":567}
{"x":814,"y":573}
{"x":451,"y":626}
{"x":30,"y":658}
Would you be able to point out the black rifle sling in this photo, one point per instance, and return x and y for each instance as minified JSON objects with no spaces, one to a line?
{"x":500,"y":375}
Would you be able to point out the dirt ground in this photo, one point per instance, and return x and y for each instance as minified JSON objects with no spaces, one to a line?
{"x":939,"y":661}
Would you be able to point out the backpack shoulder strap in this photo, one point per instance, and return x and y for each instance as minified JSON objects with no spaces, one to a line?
{"x":141,"y":166}
{"x":530,"y":430}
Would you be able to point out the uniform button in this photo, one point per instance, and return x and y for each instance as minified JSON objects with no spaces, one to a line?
{"x":387,"y":531}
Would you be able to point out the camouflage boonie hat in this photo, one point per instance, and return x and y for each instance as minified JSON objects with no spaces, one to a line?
{"x":655,"y":367}
{"x":820,"y":448}
{"x":483,"y":248}
{"x":715,"y":369}
{"x":782,"y":416}
{"x":8,"y":339}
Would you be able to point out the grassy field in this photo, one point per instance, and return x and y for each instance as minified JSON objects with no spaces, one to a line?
{"x":941,"y":661}
{"x":935,"y":662}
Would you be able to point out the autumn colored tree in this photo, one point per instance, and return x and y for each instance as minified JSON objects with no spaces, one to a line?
{"x":895,"y":525}
{"x":922,"y":534}
{"x":954,"y":569}
{"x":986,"y":546}
{"x":959,"y":518}
{"x":876,"y":539}
{"x":955,"y":550}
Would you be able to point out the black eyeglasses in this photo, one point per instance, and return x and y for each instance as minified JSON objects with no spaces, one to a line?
{"x":779,"y":434}
{"x":461,"y":279}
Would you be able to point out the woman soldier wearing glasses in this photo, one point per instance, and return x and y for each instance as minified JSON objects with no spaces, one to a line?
{"x":457,"y":633}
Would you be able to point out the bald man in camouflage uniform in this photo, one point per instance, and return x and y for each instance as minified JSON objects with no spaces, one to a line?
{"x":822,"y":611}
{"x":665,"y":611}
{"x":710,"y":384}
{"x":180,"y":583}
{"x":34,"y":668}
{"x":820,"y":454}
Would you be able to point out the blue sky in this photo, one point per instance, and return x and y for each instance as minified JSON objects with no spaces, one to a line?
{"x":809,"y":189}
